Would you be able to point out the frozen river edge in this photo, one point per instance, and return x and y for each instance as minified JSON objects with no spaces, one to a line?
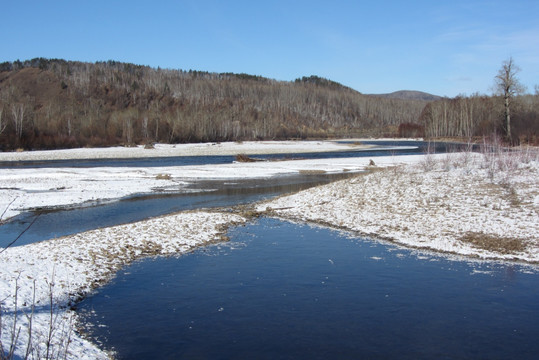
{"x":440,"y":202}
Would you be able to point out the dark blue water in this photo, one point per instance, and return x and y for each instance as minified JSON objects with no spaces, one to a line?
{"x":383,"y":148}
{"x":285,"y":291}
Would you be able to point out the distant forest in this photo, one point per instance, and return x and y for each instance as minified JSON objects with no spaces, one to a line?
{"x":54,"y":103}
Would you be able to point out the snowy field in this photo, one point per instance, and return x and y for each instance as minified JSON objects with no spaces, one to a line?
{"x":463,"y":203}
{"x":202,"y":149}
{"x":469,"y":204}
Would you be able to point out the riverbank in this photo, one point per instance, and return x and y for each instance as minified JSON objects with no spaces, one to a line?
{"x":198,"y":149}
{"x":23,"y":188}
{"x":480,"y":205}
{"x":62,"y":271}
{"x":477,"y":205}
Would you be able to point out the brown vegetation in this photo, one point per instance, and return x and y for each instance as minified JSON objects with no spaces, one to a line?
{"x":56,"y":103}
{"x":51,"y":103}
{"x":245,"y":158}
{"x":480,"y":115}
{"x":500,"y":244}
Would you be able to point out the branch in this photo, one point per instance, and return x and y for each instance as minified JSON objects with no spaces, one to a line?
{"x":7,"y":207}
{"x":18,"y":237}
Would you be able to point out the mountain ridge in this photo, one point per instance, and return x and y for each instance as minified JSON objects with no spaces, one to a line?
{"x":409,"y":95}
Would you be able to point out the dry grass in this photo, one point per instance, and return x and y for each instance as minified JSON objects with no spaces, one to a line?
{"x":312,"y":172}
{"x":244,"y":158}
{"x":163,"y":177}
{"x":500,"y":244}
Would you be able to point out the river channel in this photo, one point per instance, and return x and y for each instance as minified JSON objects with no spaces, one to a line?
{"x":280,"y":290}
{"x":289,"y":291}
{"x":200,"y":194}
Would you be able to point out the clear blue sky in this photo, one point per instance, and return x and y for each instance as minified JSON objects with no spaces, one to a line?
{"x":442,"y":47}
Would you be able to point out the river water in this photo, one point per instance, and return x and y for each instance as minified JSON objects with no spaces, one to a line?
{"x":288,"y":291}
{"x":279,"y":290}
{"x":382,"y":148}
{"x":202,"y":194}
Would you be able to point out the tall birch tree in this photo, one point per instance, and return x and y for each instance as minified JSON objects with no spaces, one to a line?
{"x":508,"y":86}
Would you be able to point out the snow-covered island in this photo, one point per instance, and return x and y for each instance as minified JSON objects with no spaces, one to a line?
{"x":480,"y":205}
{"x":464,"y":203}
{"x":22,"y":188}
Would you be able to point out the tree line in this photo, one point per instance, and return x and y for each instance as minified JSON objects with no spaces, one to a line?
{"x":54,"y":103}
{"x":481,"y":115}
{"x":510,"y":113}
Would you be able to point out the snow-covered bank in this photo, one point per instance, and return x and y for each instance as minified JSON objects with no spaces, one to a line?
{"x":27,"y":188}
{"x":462,"y":203}
{"x":467,"y":204}
{"x":70,"y":267}
{"x":202,"y":149}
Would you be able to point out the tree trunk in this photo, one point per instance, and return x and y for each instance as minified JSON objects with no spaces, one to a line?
{"x":507,"y":118}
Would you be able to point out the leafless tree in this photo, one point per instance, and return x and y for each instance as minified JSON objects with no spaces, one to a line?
{"x":508,"y":86}
{"x":2,"y":122}
{"x":17,"y":110}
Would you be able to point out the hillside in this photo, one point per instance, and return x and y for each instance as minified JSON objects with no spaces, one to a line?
{"x":52,"y":103}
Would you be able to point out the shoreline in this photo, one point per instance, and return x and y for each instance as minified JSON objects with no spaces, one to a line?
{"x":28,"y":188}
{"x":192,"y":149}
{"x":454,"y":207}
{"x":65,"y":270}
{"x":444,"y":203}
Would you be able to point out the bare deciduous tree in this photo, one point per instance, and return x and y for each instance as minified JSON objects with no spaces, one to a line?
{"x":17,"y":110}
{"x":2,"y":122}
{"x":508,"y":85}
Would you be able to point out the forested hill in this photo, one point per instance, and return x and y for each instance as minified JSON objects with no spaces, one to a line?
{"x":51,"y":103}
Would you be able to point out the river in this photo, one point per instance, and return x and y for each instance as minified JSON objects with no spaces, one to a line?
{"x":292,"y":291}
{"x":200,"y":194}
{"x":289,"y":291}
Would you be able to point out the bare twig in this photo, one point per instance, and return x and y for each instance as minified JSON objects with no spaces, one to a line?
{"x":30,"y":319}
{"x":21,"y":234}
{"x":7,"y":208}
{"x":14,"y":331}
{"x":49,"y":353}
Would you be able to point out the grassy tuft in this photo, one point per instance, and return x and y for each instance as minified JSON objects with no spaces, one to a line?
{"x":312,"y":172}
{"x":500,"y":244}
{"x":163,"y":177}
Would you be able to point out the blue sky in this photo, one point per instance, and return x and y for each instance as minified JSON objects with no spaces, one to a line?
{"x":442,"y":47}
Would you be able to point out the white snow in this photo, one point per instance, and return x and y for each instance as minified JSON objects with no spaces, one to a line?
{"x":424,"y":201}
{"x":164,"y":150}
{"x":23,"y":188}
{"x":435,"y":204}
